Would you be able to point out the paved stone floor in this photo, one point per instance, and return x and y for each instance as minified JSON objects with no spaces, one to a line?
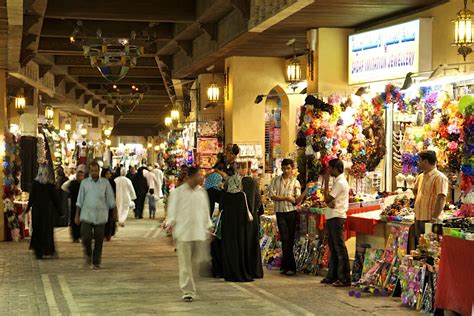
{"x":140,"y":277}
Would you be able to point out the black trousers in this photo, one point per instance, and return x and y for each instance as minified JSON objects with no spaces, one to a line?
{"x":419,"y":229}
{"x":75,"y":229}
{"x":89,"y":231}
{"x":287,"y":228}
{"x":338,"y":259}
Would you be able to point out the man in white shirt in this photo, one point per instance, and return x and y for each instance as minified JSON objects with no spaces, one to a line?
{"x":188,"y":217}
{"x":285,"y":191}
{"x":159,"y":180}
{"x":338,"y":202}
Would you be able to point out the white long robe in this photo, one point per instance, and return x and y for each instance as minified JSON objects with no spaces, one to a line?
{"x":125,"y":194}
{"x":159,"y":181}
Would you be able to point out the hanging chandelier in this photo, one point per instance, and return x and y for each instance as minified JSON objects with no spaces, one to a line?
{"x":463,"y":38}
{"x":113,"y":57}
{"x":125,"y":102}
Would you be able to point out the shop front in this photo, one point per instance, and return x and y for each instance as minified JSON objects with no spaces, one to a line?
{"x":402,"y":103}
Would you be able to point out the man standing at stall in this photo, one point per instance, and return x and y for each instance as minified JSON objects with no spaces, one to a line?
{"x":285,"y":190}
{"x":431,"y":190}
{"x":94,"y":201}
{"x":338,"y":202}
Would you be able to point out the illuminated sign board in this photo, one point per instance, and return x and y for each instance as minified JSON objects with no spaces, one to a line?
{"x":390,"y":53}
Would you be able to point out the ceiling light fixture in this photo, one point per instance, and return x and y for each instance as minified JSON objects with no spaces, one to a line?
{"x":463,"y":38}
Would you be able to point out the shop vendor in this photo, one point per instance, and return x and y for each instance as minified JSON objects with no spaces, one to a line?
{"x":431,"y":189}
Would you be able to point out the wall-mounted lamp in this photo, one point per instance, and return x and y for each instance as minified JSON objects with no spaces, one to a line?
{"x":67,"y":125}
{"x":108,"y":131}
{"x":463,"y":31}
{"x":83,"y":131}
{"x":213,"y":93}
{"x":49,"y":114}
{"x":168,"y":121}
{"x":293,"y":69}
{"x":20,"y":102}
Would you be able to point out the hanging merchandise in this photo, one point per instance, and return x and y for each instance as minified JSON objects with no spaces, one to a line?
{"x":466,"y":105}
{"x":11,"y":173}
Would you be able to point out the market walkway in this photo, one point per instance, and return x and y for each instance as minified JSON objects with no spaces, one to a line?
{"x":140,"y":276}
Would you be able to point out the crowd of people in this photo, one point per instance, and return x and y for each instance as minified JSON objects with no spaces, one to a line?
{"x":91,"y":202}
{"x":100,"y":199}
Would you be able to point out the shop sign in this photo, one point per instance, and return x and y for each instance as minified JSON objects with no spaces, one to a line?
{"x":391,"y":52}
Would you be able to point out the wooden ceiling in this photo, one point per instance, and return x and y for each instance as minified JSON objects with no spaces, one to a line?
{"x":191,"y":35}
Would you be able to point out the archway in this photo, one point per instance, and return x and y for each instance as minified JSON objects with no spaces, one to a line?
{"x":276,"y":127}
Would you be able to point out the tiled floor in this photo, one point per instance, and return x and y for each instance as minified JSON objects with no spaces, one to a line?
{"x":140,"y":277}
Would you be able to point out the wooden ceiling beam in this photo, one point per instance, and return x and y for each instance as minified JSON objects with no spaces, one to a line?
{"x":243,"y":6}
{"x":114,"y":29}
{"x":126,"y":80}
{"x":102,"y":106}
{"x":81,"y":61}
{"x":79,"y":93}
{"x":62,"y":46}
{"x":69,"y":86}
{"x":29,"y":21}
{"x":135,"y":130}
{"x":134,"y":72}
{"x":186,"y":46}
{"x":87,"y":98}
{"x":58,"y":79}
{"x":43,"y":69}
{"x":113,"y":10}
{"x":211,"y":29}
{"x":95,"y":103}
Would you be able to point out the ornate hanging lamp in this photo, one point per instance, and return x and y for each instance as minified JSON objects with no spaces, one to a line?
{"x":463,"y":37}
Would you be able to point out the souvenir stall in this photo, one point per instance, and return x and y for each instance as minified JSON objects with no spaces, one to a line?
{"x":128,"y":155}
{"x":210,"y":141}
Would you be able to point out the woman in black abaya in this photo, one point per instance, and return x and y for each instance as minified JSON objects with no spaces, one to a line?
{"x":236,"y":266}
{"x":111,"y":225}
{"x":254,"y":199}
{"x":141,"y":188}
{"x":43,"y":203}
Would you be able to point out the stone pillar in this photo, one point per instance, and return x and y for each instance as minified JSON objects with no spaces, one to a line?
{"x":3,"y":129}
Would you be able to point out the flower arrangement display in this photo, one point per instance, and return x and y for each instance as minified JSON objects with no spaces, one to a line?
{"x":352,"y":130}
{"x":11,"y":172}
{"x":466,"y":105}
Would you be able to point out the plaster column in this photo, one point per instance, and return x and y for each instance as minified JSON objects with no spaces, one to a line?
{"x":3,"y":129}
{"x":244,"y":119}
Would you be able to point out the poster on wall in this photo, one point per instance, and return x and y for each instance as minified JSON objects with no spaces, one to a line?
{"x":208,"y":146}
{"x":391,"y":52}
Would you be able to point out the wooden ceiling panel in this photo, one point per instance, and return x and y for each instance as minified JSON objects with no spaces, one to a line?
{"x":123,"y":10}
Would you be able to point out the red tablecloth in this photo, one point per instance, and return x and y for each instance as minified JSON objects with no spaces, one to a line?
{"x":363,"y":224}
{"x":455,"y":290}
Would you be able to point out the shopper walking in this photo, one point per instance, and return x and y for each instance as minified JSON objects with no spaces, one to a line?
{"x":125,"y":194}
{"x":140,"y":184}
{"x":431,"y":190}
{"x":95,"y":199}
{"x":338,"y":202}
{"x":131,"y":173}
{"x":188,"y":217}
{"x":151,"y":203}
{"x":43,"y":203}
{"x":72,"y":187}
{"x":159,"y":180}
{"x":111,"y":225}
{"x":285,"y":190}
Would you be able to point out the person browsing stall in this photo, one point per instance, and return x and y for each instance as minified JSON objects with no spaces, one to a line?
{"x":431,"y":189}
{"x":337,"y":201}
